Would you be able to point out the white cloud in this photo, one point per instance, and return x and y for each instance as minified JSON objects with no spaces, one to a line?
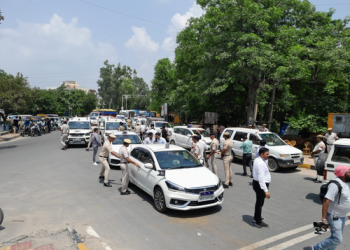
{"x":178,"y":23}
{"x":141,"y":40}
{"x":54,"y":42}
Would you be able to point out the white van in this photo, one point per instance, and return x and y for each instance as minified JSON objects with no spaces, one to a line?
{"x":339,"y":155}
{"x":79,"y":131}
{"x":282,"y":155}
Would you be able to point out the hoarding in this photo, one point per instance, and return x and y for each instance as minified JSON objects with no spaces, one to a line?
{"x":210,"y":117}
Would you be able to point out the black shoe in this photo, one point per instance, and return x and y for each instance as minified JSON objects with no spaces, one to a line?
{"x":251,"y":176}
{"x":255,"y":221}
{"x":226,"y":186}
{"x":101,"y":177}
{"x":231,"y":184}
{"x":244,"y":174}
{"x":125,"y":193}
{"x":107,"y":185}
{"x":314,"y":179}
{"x":87,"y":149}
{"x":318,"y":181}
{"x":262,"y":224}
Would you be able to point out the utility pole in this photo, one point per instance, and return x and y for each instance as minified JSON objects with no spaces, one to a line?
{"x":129,"y":96}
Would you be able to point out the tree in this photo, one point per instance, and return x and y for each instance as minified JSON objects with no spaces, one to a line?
{"x":1,"y":17}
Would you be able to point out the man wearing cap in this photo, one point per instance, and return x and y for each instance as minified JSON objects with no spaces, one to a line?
{"x":265,"y":129}
{"x":94,"y":125}
{"x":124,"y":162}
{"x":247,"y":146}
{"x":331,"y":138}
{"x":106,"y":149}
{"x":137,"y":129}
{"x":64,"y":135}
{"x":149,"y":139}
{"x":226,"y":155}
{"x":159,"y":139}
{"x":128,"y":122}
{"x":212,"y":156}
{"x":121,"y":127}
{"x":336,"y":206}
{"x":318,"y":149}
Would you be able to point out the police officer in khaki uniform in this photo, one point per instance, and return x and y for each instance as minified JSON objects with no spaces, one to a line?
{"x":121,"y":127}
{"x":214,"y":146}
{"x":124,"y":162}
{"x":65,"y":132}
{"x":106,"y":149}
{"x":226,"y":155}
{"x":331,"y":138}
{"x":129,"y":123}
{"x":318,"y":149}
{"x":137,"y":129}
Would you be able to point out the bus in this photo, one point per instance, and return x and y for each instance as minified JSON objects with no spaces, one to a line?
{"x":128,"y":114}
{"x":102,"y":112}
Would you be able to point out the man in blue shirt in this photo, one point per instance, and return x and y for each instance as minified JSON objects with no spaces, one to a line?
{"x":247,"y":155}
{"x":159,"y":139}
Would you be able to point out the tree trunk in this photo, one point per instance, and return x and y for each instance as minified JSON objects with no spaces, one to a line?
{"x":272,"y":103}
{"x":110,"y":103}
{"x":250,"y":105}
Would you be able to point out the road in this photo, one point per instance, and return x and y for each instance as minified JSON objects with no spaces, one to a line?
{"x":45,"y":188}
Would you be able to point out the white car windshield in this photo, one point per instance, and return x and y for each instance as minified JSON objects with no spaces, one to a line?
{"x":119,"y":140}
{"x":113,"y":125}
{"x":79,"y":125}
{"x":272,"y":140}
{"x":202,"y":132}
{"x":160,"y":124}
{"x":176,"y":159}
{"x":121,"y":117}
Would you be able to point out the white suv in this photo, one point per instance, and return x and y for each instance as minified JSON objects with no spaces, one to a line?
{"x":110,"y":126}
{"x":339,"y":155}
{"x":79,"y":131}
{"x":182,"y":136}
{"x":282,"y":155}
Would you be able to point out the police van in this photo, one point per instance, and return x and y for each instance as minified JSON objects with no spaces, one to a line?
{"x":79,"y":131}
{"x":110,"y":126}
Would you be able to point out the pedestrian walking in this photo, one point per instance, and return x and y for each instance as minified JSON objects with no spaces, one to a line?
{"x":261,"y":182}
{"x":149,"y":139}
{"x":64,"y":135}
{"x":106,"y":149}
{"x":226,"y":155}
{"x":15,"y":124}
{"x":48,"y":122}
{"x":318,"y":149}
{"x":137,"y":129}
{"x":247,"y":155}
{"x":331,"y":138}
{"x":94,"y":125}
{"x":215,"y":129}
{"x":96,"y":142}
{"x":143,"y":131}
{"x":124,"y":166}
{"x":153,"y":131}
{"x":214,"y":146}
{"x":165,"y":133}
{"x":262,"y":144}
{"x":121,"y":127}
{"x":159,"y":139}
{"x":335,"y":208}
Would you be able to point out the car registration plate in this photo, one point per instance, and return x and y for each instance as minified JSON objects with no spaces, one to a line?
{"x":76,"y":139}
{"x":206,"y":196}
{"x":296,"y":160}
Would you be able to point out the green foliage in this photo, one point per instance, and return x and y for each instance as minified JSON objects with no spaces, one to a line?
{"x":307,"y":123}
{"x":1,"y":17}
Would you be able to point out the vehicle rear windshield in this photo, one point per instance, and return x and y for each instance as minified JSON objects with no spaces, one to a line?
{"x":176,"y":159}
{"x":272,"y":139}
{"x":113,"y":126}
{"x":160,"y":124}
{"x":119,"y":140}
{"x":79,"y":125}
{"x":341,"y":154}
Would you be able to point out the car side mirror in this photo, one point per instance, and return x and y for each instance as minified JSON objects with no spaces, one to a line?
{"x":189,"y":135}
{"x":149,"y":165}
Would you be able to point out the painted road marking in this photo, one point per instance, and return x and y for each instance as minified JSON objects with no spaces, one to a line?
{"x":106,"y":246}
{"x":276,"y":238}
{"x":82,"y":246}
{"x":297,"y":240}
{"x":92,"y":232}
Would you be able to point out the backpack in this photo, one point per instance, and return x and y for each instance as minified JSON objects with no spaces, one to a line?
{"x":324,"y":190}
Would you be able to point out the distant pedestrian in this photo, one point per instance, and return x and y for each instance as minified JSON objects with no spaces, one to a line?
{"x":143,"y":131}
{"x":94,"y":125}
{"x":214,"y":146}
{"x":226,"y":155}
{"x":64,"y":135}
{"x":262,"y":144}
{"x":165,"y":133}
{"x":105,"y":151}
{"x":247,"y":155}
{"x":96,"y":142}
{"x":153,"y":131}
{"x":124,"y":166}
{"x":215,"y":129}
{"x":48,"y":122}
{"x":261,"y":182}
{"x":15,"y":124}
{"x":137,"y":129}
{"x":159,"y":139}
{"x":331,"y":138}
{"x":221,"y":129}
{"x":318,"y":149}
{"x":265,"y":129}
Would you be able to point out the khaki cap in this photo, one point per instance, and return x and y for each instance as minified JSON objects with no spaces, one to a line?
{"x":127,"y":141}
{"x":249,"y":125}
{"x":264,"y":124}
{"x":227,"y":133}
{"x":320,"y":136}
{"x":330,"y":129}
{"x":111,"y":136}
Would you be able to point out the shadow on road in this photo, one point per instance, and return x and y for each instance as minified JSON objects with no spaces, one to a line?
{"x":8,"y":147}
{"x":287,"y":171}
{"x":2,"y":228}
{"x":249,"y":220}
{"x":309,"y":178}
{"x":314,"y":197}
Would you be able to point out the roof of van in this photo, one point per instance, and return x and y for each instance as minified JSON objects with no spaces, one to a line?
{"x":342,"y":141}
{"x":248,"y":130}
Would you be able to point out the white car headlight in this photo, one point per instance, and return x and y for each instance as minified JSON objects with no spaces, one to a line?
{"x":287,"y":156}
{"x":87,"y":134}
{"x":174,"y":187}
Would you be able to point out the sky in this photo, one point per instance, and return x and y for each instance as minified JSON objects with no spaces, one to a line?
{"x":51,"y":41}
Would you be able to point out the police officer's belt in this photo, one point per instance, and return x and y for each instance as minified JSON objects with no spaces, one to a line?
{"x":103,"y":156}
{"x":124,"y":162}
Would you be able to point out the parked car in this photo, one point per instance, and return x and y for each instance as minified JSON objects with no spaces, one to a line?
{"x":339,"y":155}
{"x":174,"y":178}
{"x":182,"y":136}
{"x":282,"y":155}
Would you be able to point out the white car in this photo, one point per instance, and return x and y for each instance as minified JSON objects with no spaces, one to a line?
{"x":338,"y":155}
{"x":79,"y":131}
{"x":121,"y":117}
{"x":110,"y":126}
{"x":119,"y":141}
{"x":185,"y":183}
{"x":182,"y":136}
{"x":282,"y":155}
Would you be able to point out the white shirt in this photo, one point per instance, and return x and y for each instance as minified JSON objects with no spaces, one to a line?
{"x":261,"y":173}
{"x":198,"y":149}
{"x":161,"y":140}
{"x":257,"y":150}
{"x":154,"y":134}
{"x":319,"y":146}
{"x":148,"y":141}
{"x":331,"y":138}
{"x":343,"y":208}
{"x":143,"y":127}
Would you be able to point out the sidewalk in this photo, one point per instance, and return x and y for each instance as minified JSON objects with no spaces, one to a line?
{"x":7,"y":136}
{"x":308,"y":162}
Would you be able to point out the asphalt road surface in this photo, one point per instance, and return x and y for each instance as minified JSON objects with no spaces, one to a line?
{"x":45,"y":188}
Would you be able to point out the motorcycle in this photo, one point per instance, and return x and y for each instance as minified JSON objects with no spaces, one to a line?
{"x":34,"y":130}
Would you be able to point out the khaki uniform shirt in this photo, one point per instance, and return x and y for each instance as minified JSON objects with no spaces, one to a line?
{"x":128,"y":122}
{"x":215,"y":128}
{"x":331,"y":138}
{"x":228,"y":146}
{"x":106,"y":149}
{"x":137,"y":129}
{"x":121,"y":128}
{"x":214,"y":145}
{"x":123,"y":153}
{"x":65,"y":129}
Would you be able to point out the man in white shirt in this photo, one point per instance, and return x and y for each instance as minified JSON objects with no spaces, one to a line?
{"x":159,"y":139}
{"x":143,"y":130}
{"x":319,"y":148}
{"x":153,"y":132}
{"x":331,"y":138}
{"x":335,"y":209}
{"x":261,"y":182}
{"x":149,"y":139}
{"x":198,"y":148}
{"x":64,"y":135}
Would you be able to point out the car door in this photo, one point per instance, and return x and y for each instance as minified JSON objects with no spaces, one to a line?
{"x":134,"y":172}
{"x":147,"y":177}
{"x":186,"y":139}
{"x":255,"y":140}
{"x":237,"y":141}
{"x":178,"y":136}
